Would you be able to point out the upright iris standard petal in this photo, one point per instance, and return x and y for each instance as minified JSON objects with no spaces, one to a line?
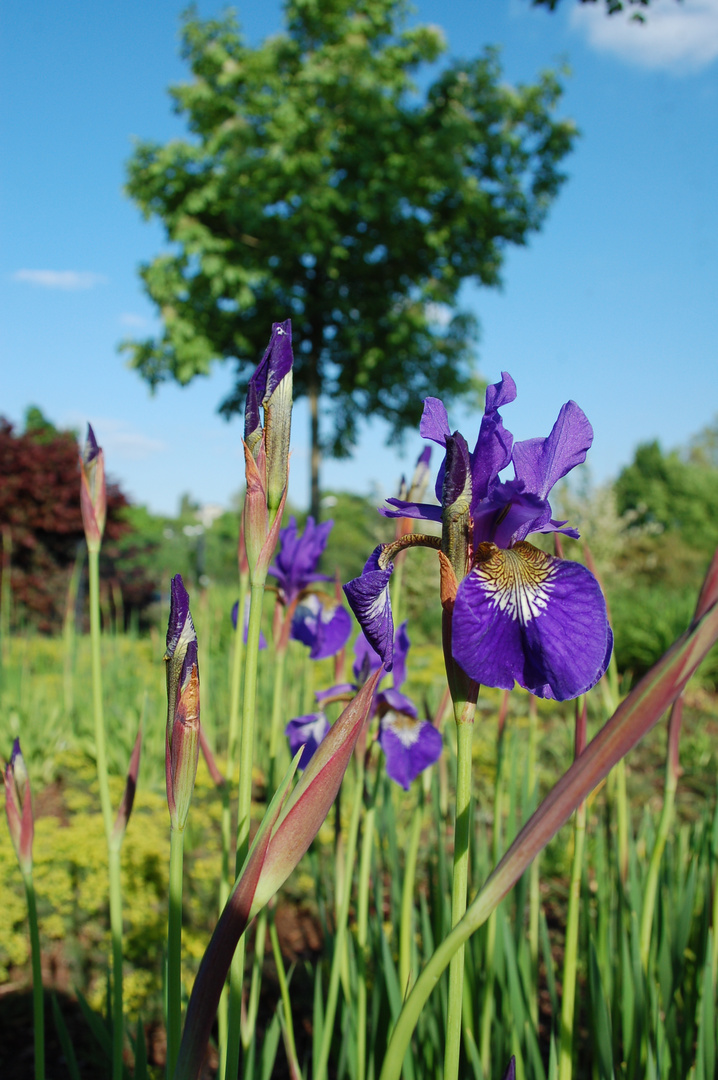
{"x":295,"y":565}
{"x":522,"y":615}
{"x":321,"y":624}
{"x":369,"y":599}
{"x":492,"y":452}
{"x":540,"y":463}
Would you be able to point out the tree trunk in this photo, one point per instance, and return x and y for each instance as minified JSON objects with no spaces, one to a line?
{"x":315,"y":444}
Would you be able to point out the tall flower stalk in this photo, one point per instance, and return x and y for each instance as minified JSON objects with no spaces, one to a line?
{"x":570,"y":958}
{"x":266,"y":453}
{"x":182,"y":745}
{"x":93,"y":500}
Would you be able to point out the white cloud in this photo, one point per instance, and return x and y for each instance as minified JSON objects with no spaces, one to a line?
{"x":676,"y":36}
{"x":69,"y":280}
{"x":136,"y":322}
{"x":119,"y":439}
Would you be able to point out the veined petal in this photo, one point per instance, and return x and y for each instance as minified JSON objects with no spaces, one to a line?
{"x":492,"y":452}
{"x":423,"y":511}
{"x":409,"y":746}
{"x":434,"y":421}
{"x":526,"y":616}
{"x":541,"y":462}
{"x":368,"y":597}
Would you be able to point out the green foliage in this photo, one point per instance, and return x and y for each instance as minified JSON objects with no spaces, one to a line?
{"x":670,"y":495}
{"x":320,"y":184}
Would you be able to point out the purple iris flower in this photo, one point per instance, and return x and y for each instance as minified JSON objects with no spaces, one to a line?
{"x":519,"y":614}
{"x":307,"y":732}
{"x":410,"y":745}
{"x":322,"y":625}
{"x":295,"y":566}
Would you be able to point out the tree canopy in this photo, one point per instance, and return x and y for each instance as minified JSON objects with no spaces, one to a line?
{"x":319,"y":183}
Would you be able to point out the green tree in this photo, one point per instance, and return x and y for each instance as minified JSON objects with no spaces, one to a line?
{"x":320,"y":184}
{"x":612,"y":6}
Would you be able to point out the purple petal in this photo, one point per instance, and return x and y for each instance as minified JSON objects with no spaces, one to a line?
{"x":179,"y":613}
{"x":501,"y":393}
{"x":541,"y":462}
{"x":322,"y":625}
{"x":366,"y":659}
{"x":392,"y":700}
{"x":307,"y":731}
{"x":434,"y":421}
{"x":492,"y":452}
{"x":423,"y":511}
{"x":341,"y":689}
{"x":505,"y":511}
{"x":274,"y":365}
{"x":401,"y":650}
{"x":526,"y":616}
{"x":91,"y":450}
{"x":409,"y":746}
{"x":298,"y":556}
{"x":369,"y":599}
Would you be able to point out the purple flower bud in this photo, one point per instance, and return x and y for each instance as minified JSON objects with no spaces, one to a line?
{"x":271,"y":388}
{"x":182,"y":740}
{"x":93,"y":491}
{"x":18,"y":808}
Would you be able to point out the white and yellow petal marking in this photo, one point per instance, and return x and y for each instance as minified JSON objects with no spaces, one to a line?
{"x":518,"y":582}
{"x":406,"y":728}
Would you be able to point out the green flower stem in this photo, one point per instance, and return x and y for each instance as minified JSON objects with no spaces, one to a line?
{"x":464,"y":712}
{"x":320,"y":1070}
{"x":568,"y":999}
{"x":622,"y":819}
{"x":534,"y":892}
{"x":174,"y":950}
{"x":227,"y":875}
{"x":38,"y":1005}
{"x":104,"y":785}
{"x":244,"y":808}
{"x":250,"y":1020}
{"x":396,"y":589}
{"x":406,"y":932}
{"x":664,"y":825}
{"x":362,"y":930}
{"x":487,"y":1008}
{"x":288,"y":1025}
{"x":278,"y":705}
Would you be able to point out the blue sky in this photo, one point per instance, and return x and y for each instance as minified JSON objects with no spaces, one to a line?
{"x":614,"y":303}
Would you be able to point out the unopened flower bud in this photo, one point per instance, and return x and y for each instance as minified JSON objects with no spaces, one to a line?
{"x":18,"y":807}
{"x":182,"y":742}
{"x":93,"y":491}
